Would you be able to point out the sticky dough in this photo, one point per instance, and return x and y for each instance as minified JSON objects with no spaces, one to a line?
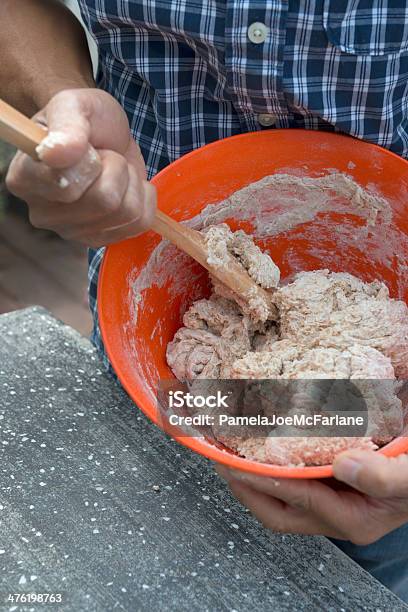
{"x":330,"y":325}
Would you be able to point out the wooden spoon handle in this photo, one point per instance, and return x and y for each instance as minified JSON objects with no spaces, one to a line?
{"x":20,"y":131}
{"x":185,"y":238}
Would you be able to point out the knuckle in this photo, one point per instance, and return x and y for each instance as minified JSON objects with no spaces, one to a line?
{"x":135,"y":214}
{"x":268,"y":524}
{"x":84,"y":235}
{"x":358,"y":539}
{"x":111,"y":188}
{"x":91,"y":242}
{"x":274,"y":522}
{"x":382,"y":483}
{"x":302,"y":502}
{"x":60,"y":95}
{"x":63,"y":95}
{"x":363,"y":536}
{"x":67,"y":233}
{"x":362,"y":539}
{"x":70,"y":194}
{"x":14,"y":178}
{"x":40,"y":217}
{"x":143,"y":210}
{"x":110,"y":200}
{"x":70,"y":231}
{"x":37,"y":219}
{"x":11,"y":182}
{"x":94,"y":242}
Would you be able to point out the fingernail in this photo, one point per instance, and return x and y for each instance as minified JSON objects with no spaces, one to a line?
{"x":347,"y":470}
{"x":49,"y":142}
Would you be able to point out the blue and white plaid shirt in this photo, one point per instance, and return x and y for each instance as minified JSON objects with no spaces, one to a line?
{"x":188,"y":72}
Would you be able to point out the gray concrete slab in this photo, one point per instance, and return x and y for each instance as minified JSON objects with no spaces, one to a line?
{"x":99,"y":505}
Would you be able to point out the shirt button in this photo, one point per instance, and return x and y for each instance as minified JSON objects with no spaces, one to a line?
{"x":257,"y":32}
{"x":266,"y":120}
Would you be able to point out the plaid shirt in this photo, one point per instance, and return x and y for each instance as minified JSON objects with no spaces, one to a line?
{"x":188,"y":72}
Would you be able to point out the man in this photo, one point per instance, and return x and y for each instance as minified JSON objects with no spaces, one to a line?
{"x":183,"y":74}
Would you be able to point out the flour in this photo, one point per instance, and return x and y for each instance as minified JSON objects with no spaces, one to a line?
{"x":63,"y":182}
{"x":83,"y":173}
{"x":279,"y":202}
{"x":51,"y":140}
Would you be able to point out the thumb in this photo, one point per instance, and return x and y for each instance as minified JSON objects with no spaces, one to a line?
{"x":77,"y":118}
{"x":68,"y":131}
{"x":373,"y":473}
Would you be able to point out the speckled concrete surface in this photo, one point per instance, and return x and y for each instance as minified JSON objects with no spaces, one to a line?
{"x":98,"y":504}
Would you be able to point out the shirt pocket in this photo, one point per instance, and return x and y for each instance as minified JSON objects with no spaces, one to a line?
{"x":364,"y":27}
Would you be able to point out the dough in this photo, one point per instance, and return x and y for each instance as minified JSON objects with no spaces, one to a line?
{"x":309,"y":451}
{"x":215,"y":334}
{"x":337,"y":310}
{"x":224,"y":245}
{"x":330,"y":326}
{"x":283,"y":446}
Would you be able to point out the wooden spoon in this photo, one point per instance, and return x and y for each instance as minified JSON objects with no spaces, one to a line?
{"x":26,"y":135}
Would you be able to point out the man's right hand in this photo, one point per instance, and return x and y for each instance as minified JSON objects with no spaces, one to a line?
{"x":71,"y":191}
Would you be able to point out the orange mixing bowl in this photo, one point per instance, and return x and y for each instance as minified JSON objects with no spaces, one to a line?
{"x":139,"y":311}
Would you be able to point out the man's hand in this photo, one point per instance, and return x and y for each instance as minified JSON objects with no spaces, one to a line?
{"x":377,"y":505}
{"x":93,"y":201}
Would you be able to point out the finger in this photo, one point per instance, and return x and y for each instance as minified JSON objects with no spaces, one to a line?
{"x":29,"y":179}
{"x":349,"y":514}
{"x":277,"y":516}
{"x":122,"y":208}
{"x":118,"y":205}
{"x":373,"y":473}
{"x":141,"y":201}
{"x":134,"y":216}
{"x":134,"y":158}
{"x":78,"y":117}
{"x":342,"y":512}
{"x":98,"y":208}
{"x":305,"y":495}
{"x":259,"y":483}
{"x":68,"y":126}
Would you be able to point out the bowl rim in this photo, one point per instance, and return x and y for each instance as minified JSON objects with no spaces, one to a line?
{"x":398,"y":446}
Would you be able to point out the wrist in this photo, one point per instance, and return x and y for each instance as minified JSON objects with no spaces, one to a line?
{"x":43,"y":51}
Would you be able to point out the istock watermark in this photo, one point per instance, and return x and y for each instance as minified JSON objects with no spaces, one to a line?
{"x":258,"y":408}
{"x":181,"y":399}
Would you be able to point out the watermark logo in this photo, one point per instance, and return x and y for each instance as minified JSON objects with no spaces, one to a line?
{"x":182,"y":399}
{"x":258,"y":408}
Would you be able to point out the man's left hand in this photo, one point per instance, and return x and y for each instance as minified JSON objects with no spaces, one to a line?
{"x":376,"y":504}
